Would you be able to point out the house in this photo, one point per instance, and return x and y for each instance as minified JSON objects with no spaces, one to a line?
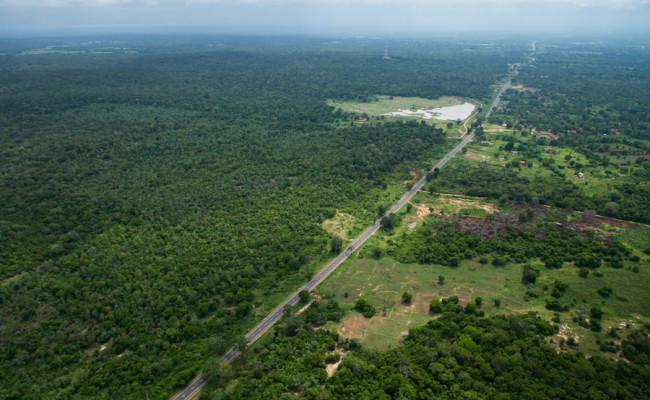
{"x":544,"y":134}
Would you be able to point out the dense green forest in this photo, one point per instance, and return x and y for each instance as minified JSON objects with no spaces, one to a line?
{"x":159,"y":194}
{"x":460,"y":354}
{"x":594,"y":97}
{"x":598,"y":88}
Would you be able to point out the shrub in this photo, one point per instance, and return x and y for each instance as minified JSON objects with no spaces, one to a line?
{"x":365,"y":308}
{"x":332,"y":358}
{"x":499,"y":261}
{"x":435,"y":306}
{"x":595,"y":313}
{"x":555,"y":305}
{"x":529,"y":274}
{"x":595,"y":326}
{"x":605,"y":291}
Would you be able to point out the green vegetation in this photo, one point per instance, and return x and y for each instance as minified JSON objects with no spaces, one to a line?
{"x":159,"y":200}
{"x":596,"y":104}
{"x":365,"y":308}
{"x":461,"y":354}
{"x":517,"y":266}
{"x":369,"y":109}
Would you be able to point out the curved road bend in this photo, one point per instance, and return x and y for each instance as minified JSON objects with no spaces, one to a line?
{"x":276,"y":314}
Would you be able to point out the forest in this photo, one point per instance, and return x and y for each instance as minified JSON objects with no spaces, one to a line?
{"x":158,"y":199}
{"x":594,"y":97}
{"x":161,"y":194}
{"x":459,"y":354}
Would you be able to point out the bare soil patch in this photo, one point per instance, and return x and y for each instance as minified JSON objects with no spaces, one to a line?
{"x":496,"y":225}
{"x":331,"y":368}
{"x":454,"y":203}
{"x":523,"y":88}
{"x":413,"y":220}
{"x":354,"y":326}
{"x":472,"y":155}
{"x":497,"y":129}
{"x":339,"y":225}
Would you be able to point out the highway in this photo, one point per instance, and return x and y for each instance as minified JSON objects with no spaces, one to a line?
{"x":277,"y":314}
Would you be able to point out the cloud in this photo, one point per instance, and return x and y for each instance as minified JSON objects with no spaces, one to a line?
{"x":328,"y":15}
{"x":427,"y":4}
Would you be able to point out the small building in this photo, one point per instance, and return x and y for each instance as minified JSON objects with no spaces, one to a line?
{"x":544,"y":134}
{"x":580,"y":175}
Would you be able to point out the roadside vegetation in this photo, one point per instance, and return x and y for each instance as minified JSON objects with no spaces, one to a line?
{"x":157,"y":202}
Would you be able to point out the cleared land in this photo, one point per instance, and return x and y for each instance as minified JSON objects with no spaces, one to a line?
{"x":383,"y":104}
{"x":371,"y":110}
{"x":382,"y":282}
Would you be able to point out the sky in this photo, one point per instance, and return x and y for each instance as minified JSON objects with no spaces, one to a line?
{"x":32,"y":17}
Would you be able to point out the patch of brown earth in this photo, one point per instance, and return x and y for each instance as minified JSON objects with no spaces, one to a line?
{"x":454,"y":203}
{"x":331,"y":368}
{"x":354,"y":326}
{"x":472,"y":155}
{"x":496,"y":224}
{"x":339,"y":225}
{"x":413,"y":220}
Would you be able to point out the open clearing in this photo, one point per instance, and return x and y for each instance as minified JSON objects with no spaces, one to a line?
{"x":384,"y":104}
{"x":340,"y":225}
{"x":452,"y":204}
{"x":438,"y":111}
{"x":451,"y":113}
{"x":382,"y":282}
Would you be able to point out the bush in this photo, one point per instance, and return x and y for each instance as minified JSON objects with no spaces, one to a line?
{"x":365,"y":308}
{"x":529,"y":274}
{"x":555,"y":305}
{"x":435,"y":306}
{"x":594,"y":325}
{"x":304,"y":296}
{"x":595,"y":313}
{"x":605,"y":291}
{"x":450,"y":300}
{"x":332,"y":358}
{"x":499,"y":261}
{"x":406,"y":297}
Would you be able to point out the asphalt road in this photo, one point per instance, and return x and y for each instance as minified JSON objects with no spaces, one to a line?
{"x":277,"y":314}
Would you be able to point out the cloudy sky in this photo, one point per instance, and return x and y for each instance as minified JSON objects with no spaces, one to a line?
{"x":42,"y":16}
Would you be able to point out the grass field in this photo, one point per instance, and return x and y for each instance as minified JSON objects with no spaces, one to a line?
{"x":373,"y":274}
{"x":382,"y":282}
{"x":597,"y":179}
{"x":384,"y":104}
